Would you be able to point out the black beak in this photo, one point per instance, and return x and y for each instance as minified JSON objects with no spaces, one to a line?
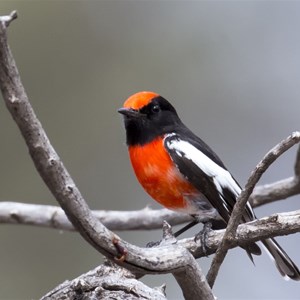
{"x":130,"y":112}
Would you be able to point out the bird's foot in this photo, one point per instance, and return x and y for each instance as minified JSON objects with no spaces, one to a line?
{"x":202,"y":236}
{"x":153,"y":244}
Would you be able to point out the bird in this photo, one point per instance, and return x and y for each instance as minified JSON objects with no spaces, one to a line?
{"x":182,"y":173}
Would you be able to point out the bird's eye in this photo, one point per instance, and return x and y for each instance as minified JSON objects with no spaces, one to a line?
{"x":155,"y":109}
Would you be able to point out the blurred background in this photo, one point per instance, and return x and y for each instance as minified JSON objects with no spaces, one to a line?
{"x":231,"y":69}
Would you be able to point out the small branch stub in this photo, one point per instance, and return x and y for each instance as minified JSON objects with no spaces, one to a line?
{"x":6,"y":20}
{"x":121,"y":250}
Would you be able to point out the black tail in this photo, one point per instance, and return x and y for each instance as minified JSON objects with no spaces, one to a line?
{"x":284,"y":264}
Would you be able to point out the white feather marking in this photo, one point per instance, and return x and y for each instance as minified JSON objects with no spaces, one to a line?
{"x":221,"y":177}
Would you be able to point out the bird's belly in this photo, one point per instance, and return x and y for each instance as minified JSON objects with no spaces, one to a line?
{"x":167,"y":187}
{"x":162,"y":180}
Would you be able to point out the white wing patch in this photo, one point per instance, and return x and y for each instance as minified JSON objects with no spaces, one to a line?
{"x":221,"y":177}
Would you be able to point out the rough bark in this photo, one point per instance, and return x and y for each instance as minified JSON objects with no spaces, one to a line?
{"x":107,"y":281}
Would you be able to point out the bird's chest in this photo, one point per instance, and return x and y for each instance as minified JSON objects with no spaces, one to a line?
{"x":159,"y":176}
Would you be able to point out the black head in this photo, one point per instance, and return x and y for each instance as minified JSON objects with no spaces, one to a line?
{"x":148,"y":116}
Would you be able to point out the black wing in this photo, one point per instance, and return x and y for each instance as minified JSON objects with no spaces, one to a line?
{"x":202,"y":167}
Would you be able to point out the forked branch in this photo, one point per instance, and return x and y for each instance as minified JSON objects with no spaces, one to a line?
{"x":239,"y":207}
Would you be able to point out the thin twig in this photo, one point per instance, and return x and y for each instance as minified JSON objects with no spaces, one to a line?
{"x":144,"y":219}
{"x":279,"y":190}
{"x":238,"y":209}
{"x":54,"y":217}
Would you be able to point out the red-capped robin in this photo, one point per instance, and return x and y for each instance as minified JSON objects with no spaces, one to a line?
{"x":182,"y":173}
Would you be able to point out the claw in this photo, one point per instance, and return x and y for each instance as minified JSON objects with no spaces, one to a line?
{"x":152,"y":244}
{"x":202,"y":236}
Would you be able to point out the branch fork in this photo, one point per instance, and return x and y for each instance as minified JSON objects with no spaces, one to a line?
{"x":6,"y":20}
{"x":171,"y":257}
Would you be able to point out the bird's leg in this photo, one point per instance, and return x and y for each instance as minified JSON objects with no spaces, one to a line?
{"x":216,"y":224}
{"x":197,"y":220}
{"x":186,"y":227}
{"x":203,"y":234}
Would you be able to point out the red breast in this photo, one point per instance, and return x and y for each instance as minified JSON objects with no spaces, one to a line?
{"x":159,"y":176}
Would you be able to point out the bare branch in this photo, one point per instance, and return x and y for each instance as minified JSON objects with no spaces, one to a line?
{"x":278,"y":190}
{"x":239,"y":207}
{"x":275,"y":225}
{"x":43,"y":154}
{"x":144,"y":219}
{"x":54,"y":217}
{"x":192,"y":276}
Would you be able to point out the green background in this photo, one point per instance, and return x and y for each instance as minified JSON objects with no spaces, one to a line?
{"x":231,"y":69}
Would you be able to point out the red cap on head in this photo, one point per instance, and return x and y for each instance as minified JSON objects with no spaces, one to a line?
{"x":139,"y":100}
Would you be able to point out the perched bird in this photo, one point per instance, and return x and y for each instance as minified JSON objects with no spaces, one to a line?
{"x":178,"y":170}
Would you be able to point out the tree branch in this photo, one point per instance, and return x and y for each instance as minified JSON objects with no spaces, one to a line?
{"x":239,"y":207}
{"x":278,"y":190}
{"x":192,"y":276}
{"x":275,"y":225}
{"x":54,"y":217}
{"x":144,"y":219}
{"x":272,"y":192}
